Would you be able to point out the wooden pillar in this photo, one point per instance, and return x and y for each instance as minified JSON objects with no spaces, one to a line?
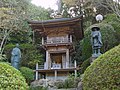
{"x":55,"y":75}
{"x":70,"y":38}
{"x":46,"y":83}
{"x":63,"y":61}
{"x":42,"y":40}
{"x":47,"y":57}
{"x":67,"y":58}
{"x":33,"y":37}
{"x":67,"y":39}
{"x":75,"y":65}
{"x":36,"y":77}
{"x":49,"y":61}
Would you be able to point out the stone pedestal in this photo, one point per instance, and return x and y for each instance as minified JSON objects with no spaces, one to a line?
{"x":92,"y":59}
{"x":94,"y":56}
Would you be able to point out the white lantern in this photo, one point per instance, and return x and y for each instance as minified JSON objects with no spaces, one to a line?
{"x":99,"y":17}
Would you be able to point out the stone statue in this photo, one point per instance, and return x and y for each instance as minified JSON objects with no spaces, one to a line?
{"x":16,"y":56}
{"x":96,"y":41}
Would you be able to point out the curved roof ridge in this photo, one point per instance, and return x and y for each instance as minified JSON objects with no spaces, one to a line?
{"x":53,"y":20}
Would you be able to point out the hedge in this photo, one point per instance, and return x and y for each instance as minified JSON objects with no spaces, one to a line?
{"x":11,"y":78}
{"x":104,"y":72}
{"x":27,"y":73}
{"x":84,"y":65}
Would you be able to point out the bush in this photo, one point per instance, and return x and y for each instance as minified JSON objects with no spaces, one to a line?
{"x":84,"y":65}
{"x":68,"y":83}
{"x":3,"y":58}
{"x":27,"y":73}
{"x":11,"y":79}
{"x":104,"y":72}
{"x":71,"y":82}
{"x":59,"y":84}
{"x":108,"y":38}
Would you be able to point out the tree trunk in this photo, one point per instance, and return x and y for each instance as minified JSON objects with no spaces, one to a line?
{"x":59,"y":3}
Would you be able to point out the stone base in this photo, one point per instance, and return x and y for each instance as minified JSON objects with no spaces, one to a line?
{"x":94,"y":56}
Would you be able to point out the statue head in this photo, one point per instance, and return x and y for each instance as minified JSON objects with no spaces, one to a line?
{"x":17,"y":45}
{"x":95,"y":28}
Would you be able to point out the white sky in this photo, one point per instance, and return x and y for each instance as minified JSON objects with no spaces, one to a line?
{"x":46,"y":3}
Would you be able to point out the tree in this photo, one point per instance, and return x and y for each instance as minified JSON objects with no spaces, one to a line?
{"x":72,"y":8}
{"x":77,"y":54}
{"x":69,"y":2}
{"x":13,"y":19}
{"x":59,"y":3}
{"x":112,"y":5}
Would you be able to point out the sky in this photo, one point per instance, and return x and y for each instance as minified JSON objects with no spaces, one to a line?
{"x":46,"y":3}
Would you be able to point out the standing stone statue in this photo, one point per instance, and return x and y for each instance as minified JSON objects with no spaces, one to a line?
{"x":96,"y":41}
{"x":16,"y":56}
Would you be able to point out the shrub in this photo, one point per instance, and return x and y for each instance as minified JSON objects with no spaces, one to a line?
{"x":108,"y":38}
{"x":27,"y":73}
{"x":59,"y":84}
{"x":70,"y":82}
{"x":11,"y":79}
{"x":104,"y":72}
{"x":3,"y":58}
{"x":84,"y":65}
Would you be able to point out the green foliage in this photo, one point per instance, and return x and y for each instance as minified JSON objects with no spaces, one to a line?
{"x":37,"y":13}
{"x":2,"y":58}
{"x":77,"y":54}
{"x":8,"y":50}
{"x":70,"y":82}
{"x":59,"y":84}
{"x":14,"y":15}
{"x":27,"y":73}
{"x":108,"y":38}
{"x":11,"y":79}
{"x":84,"y":65}
{"x":30,"y":54}
{"x":69,"y":2}
{"x":113,"y":20}
{"x":20,"y":37}
{"x":73,"y":75}
{"x":104,"y":72}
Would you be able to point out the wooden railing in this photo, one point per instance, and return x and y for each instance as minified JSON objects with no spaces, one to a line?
{"x":40,"y":66}
{"x":55,"y":66}
{"x":60,"y":40}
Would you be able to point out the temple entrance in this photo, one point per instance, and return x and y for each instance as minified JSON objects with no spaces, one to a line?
{"x":57,"y":60}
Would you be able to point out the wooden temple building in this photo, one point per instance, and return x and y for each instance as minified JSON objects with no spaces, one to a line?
{"x":58,"y":36}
